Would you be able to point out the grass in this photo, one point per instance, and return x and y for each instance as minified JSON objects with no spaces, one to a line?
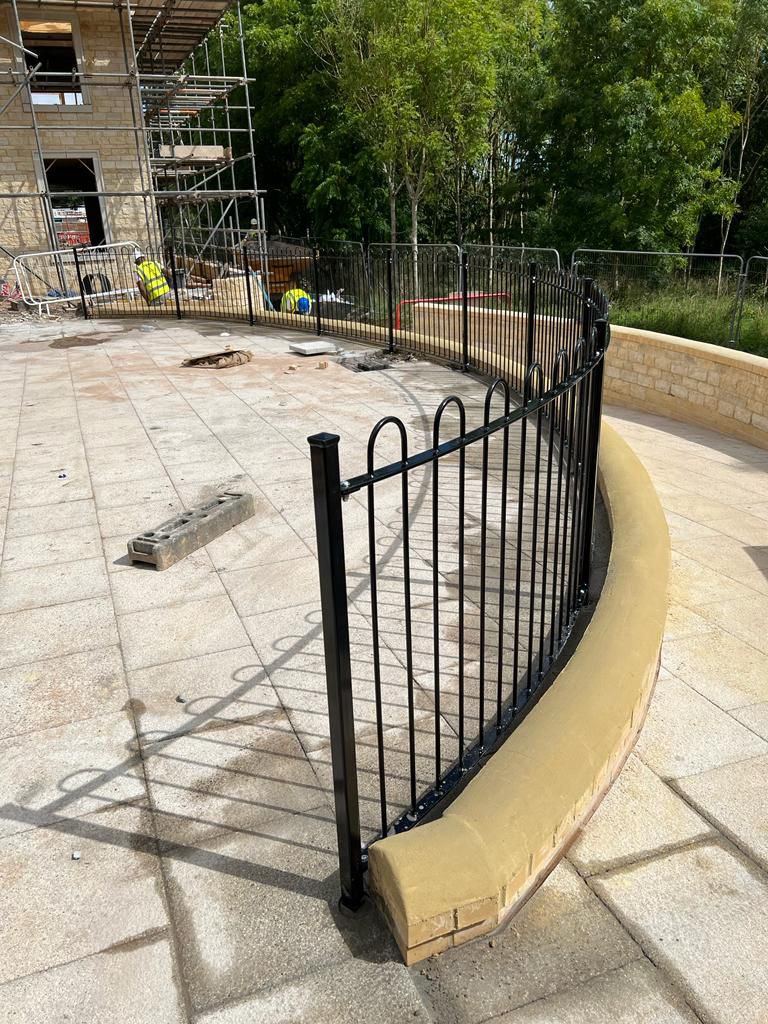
{"x":699,"y":317}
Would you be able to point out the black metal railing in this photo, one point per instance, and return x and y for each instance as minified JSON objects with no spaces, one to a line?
{"x":468,"y":308}
{"x":452,"y":579}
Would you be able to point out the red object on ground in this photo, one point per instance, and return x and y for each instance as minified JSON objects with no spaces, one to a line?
{"x":446,"y":298}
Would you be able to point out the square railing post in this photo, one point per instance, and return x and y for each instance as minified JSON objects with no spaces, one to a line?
{"x":464,"y":311}
{"x":247,"y":272}
{"x":595,"y":413}
{"x":530,"y":337}
{"x":175,"y":278}
{"x":390,"y":304}
{"x":326,"y":485}
{"x":80,"y":282}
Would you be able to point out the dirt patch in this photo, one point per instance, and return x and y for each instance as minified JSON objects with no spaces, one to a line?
{"x":80,"y":341}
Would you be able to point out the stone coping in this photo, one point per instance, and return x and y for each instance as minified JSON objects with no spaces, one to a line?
{"x":464,"y":874}
{"x":689,"y":381}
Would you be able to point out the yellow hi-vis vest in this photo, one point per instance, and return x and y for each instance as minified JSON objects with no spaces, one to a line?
{"x":154,"y":280}
{"x":290,"y":301}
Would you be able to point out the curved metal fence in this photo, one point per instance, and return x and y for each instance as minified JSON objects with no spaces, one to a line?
{"x":451,"y":577}
{"x":385,"y":293}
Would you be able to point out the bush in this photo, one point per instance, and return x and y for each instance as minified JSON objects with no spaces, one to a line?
{"x":698,"y":317}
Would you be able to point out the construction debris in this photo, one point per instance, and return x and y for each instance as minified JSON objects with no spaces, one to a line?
{"x":221,"y":360}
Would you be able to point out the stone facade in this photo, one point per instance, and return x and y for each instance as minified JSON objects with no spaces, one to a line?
{"x":117,"y":161}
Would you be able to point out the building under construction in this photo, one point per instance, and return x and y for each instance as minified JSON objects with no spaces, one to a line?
{"x":118,"y":123}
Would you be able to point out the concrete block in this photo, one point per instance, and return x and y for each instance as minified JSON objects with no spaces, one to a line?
{"x":183,"y":534}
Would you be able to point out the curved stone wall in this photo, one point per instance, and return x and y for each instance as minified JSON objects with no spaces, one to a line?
{"x":462,"y":875}
{"x":719,"y":388}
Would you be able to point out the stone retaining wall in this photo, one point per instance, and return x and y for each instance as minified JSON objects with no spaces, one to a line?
{"x":719,"y":388}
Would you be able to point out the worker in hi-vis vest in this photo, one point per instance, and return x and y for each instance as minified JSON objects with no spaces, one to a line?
{"x":151,"y":280}
{"x":295,"y":301}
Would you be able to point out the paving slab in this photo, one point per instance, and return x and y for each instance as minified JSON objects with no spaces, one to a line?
{"x":56,"y":630}
{"x":49,"y":492}
{"x":129,"y":520}
{"x":635,"y":994}
{"x":278,"y":584}
{"x":176,"y":697}
{"x":102,"y":988}
{"x":136,"y":492}
{"x":52,"y":692}
{"x":735,"y":799}
{"x":347,"y":993}
{"x":693,"y":584}
{"x":561,"y":938}
{"x":728,"y":672}
{"x":745,"y":618}
{"x":69,"y":769}
{"x":53,"y":584}
{"x":229,"y":775}
{"x":685,"y":734}
{"x":41,"y":549}
{"x":755,"y":717}
{"x":701,"y":915}
{"x":255,"y":912}
{"x":159,"y":635}
{"x":256,"y":542}
{"x":46,"y":518}
{"x":191,"y":579}
{"x":726,"y":555}
{"x":639,"y":816}
{"x":54,"y":910}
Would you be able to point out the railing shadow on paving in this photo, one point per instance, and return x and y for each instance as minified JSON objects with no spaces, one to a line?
{"x":457,"y":632}
{"x":458,"y":635}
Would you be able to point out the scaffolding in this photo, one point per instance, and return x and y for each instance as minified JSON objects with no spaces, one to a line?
{"x":187,"y":106}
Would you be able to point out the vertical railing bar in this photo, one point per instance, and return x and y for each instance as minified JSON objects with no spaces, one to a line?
{"x":462,"y":480}
{"x":408,"y":631}
{"x":376,"y":657}
{"x":436,"y":615}
{"x":534,"y":543}
{"x":316,"y":270}
{"x":502,"y":575}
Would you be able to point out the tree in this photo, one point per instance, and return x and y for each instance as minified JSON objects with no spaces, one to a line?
{"x":635,"y":130}
{"x":418,"y":76}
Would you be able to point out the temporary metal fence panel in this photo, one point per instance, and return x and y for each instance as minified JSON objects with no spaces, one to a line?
{"x":452,"y":577}
{"x":55,"y":278}
{"x":668,"y":291}
{"x":753,"y":306}
{"x":523,"y":254}
{"x":220,"y":287}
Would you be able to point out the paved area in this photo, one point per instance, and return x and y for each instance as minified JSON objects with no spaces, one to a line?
{"x":167,"y":848}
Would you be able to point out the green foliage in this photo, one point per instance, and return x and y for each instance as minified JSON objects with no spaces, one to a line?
{"x":697,"y":316}
{"x":608,"y":123}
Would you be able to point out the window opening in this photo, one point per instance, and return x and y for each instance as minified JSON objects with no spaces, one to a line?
{"x":57,"y":82}
{"x":77,"y":218}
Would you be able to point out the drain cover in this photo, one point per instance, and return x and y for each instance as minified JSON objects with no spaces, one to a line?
{"x":189,"y":531}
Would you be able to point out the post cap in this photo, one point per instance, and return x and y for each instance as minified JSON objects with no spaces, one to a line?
{"x":323,"y":440}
